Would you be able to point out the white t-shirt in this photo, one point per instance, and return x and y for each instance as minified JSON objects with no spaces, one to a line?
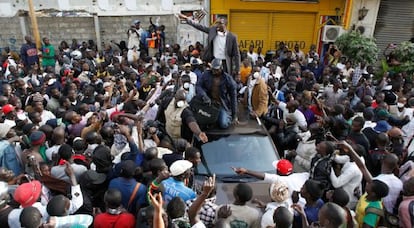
{"x":243,"y":216}
{"x":394,"y":188}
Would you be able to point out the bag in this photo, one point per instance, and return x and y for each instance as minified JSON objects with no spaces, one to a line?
{"x":132,"y":197}
{"x":386,"y":219}
{"x":204,"y":114}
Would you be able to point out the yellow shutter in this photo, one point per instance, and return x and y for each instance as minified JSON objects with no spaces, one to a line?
{"x":251,"y":28}
{"x":292,"y":28}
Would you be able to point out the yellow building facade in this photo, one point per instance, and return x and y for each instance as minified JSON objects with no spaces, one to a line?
{"x":266,"y":23}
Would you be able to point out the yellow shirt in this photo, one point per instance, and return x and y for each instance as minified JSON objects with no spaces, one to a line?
{"x":244,"y":73}
{"x":361,"y":215}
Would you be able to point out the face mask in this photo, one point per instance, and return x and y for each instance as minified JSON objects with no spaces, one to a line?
{"x":400,"y":105}
{"x":341,"y":159}
{"x":180,"y":104}
{"x":186,"y":85}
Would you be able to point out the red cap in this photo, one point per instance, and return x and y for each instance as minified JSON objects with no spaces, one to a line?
{"x":8,"y":108}
{"x":283,"y":167}
{"x":195,"y":52}
{"x":28,"y":193}
{"x":111,"y":117}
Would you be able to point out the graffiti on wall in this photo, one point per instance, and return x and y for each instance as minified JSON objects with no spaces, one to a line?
{"x":10,"y":42}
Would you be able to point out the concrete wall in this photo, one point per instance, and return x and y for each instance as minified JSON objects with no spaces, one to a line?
{"x":81,"y":28}
{"x":370,"y":20}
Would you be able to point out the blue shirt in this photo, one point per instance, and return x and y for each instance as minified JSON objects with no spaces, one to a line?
{"x":126,"y":187}
{"x":8,"y":157}
{"x":174,"y":188}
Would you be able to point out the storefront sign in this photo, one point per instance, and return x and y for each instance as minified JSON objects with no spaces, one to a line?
{"x":245,"y":44}
{"x":291,"y":43}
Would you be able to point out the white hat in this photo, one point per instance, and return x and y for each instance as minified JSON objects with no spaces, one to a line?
{"x":179,"y":167}
{"x":268,"y":64}
{"x":147,"y":65}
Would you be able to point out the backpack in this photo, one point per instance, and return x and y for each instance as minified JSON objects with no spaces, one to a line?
{"x":386,"y":219}
{"x":204,"y":114}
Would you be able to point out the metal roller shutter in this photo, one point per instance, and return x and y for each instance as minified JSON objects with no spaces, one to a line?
{"x":395,"y":22}
{"x":250,"y":28}
{"x":292,"y":28}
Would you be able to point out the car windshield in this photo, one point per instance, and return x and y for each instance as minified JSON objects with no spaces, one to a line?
{"x":253,"y":152}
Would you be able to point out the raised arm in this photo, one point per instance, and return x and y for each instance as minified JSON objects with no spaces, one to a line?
{"x":194,"y":24}
{"x":358,"y":161}
{"x":255,"y":174}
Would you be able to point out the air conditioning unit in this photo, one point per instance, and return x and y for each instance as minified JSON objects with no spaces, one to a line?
{"x":331,"y":33}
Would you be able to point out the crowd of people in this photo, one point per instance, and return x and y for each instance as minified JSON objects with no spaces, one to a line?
{"x":104,"y":138}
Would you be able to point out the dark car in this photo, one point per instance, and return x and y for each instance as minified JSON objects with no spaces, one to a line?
{"x":247,"y":145}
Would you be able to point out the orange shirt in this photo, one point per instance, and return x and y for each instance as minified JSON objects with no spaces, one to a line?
{"x":244,"y":73}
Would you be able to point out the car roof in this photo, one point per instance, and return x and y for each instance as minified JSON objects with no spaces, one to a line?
{"x":246,"y":125}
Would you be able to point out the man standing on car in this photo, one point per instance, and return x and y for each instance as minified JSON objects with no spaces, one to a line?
{"x":222,"y":44}
{"x":218,"y":87}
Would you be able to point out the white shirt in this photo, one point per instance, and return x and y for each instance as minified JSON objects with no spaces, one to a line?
{"x":193,"y":77}
{"x":243,"y":213}
{"x":395,"y":186}
{"x":349,"y":179}
{"x":253,"y":56}
{"x":51,"y":151}
{"x":405,"y":112}
{"x":300,"y":118}
{"x":166,"y":78}
{"x":294,"y":181}
{"x":46,"y":115}
{"x":219,"y":46}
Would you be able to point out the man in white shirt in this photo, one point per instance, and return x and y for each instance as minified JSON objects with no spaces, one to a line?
{"x":187,"y":71}
{"x":291,"y":107}
{"x":284,"y":173}
{"x":389,"y":164}
{"x":252,"y":55}
{"x":348,"y":179}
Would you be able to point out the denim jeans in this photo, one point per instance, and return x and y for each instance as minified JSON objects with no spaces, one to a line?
{"x":224,"y":119}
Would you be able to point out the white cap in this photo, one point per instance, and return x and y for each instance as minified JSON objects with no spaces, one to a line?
{"x":179,"y":167}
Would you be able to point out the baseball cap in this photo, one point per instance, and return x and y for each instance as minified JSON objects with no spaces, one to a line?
{"x":179,"y":167}
{"x":187,"y":65}
{"x":137,"y":22}
{"x":283,"y":166}
{"x":28,"y":193}
{"x":148,"y":65}
{"x":8,"y":108}
{"x":216,"y":64}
